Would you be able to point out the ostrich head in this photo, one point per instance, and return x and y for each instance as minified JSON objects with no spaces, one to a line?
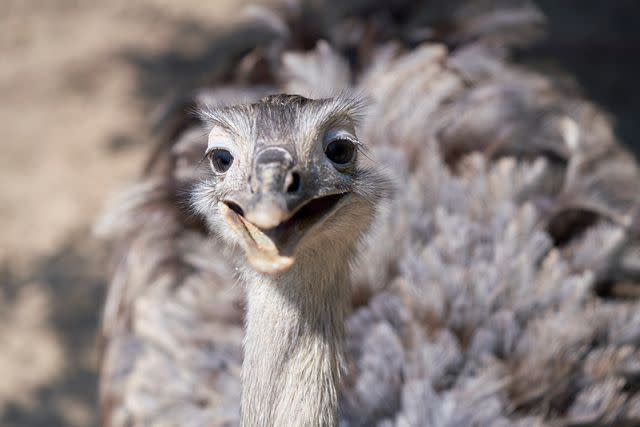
{"x":289,"y":178}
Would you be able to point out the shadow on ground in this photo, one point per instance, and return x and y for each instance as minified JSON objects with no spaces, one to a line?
{"x":73,"y":284}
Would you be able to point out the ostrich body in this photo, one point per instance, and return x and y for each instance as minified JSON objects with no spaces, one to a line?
{"x":494,"y":286}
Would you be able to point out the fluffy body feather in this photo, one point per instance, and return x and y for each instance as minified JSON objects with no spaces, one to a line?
{"x":477,"y":299}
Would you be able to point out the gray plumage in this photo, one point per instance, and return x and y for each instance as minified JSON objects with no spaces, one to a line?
{"x":476,"y":299}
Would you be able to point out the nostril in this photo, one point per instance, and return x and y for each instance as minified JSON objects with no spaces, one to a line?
{"x":294,"y":185}
{"x":234,"y":207}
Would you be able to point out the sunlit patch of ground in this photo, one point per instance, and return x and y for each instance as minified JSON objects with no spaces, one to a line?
{"x":31,"y":356}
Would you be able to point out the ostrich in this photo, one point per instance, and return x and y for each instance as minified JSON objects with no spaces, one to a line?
{"x":463,"y":250}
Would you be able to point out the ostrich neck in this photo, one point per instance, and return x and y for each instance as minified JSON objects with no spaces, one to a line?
{"x":293,"y":346}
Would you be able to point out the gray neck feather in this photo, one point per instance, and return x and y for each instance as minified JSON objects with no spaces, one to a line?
{"x":293,"y":345}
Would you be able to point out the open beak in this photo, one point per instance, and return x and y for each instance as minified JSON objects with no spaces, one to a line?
{"x":277,"y":210}
{"x":270,"y":234}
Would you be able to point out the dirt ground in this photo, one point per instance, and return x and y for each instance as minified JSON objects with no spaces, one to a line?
{"x":78,"y":82}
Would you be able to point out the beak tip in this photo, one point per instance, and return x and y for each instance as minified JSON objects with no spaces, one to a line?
{"x":267,"y":217}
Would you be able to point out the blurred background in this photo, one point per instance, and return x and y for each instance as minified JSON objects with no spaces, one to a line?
{"x":79,"y":81}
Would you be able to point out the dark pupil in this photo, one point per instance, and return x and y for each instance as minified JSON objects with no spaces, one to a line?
{"x":340,"y":151}
{"x":221,"y":160}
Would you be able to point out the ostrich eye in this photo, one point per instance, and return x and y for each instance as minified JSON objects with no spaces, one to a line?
{"x":221,"y":159}
{"x":340,"y":151}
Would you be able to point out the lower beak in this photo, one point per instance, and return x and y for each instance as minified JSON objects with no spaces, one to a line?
{"x":262,"y":252}
{"x":270,"y":243}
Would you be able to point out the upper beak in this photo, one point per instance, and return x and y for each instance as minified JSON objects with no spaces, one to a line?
{"x":268,"y":214}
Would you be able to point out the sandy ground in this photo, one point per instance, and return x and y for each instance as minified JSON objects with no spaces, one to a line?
{"x":78,"y":80}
